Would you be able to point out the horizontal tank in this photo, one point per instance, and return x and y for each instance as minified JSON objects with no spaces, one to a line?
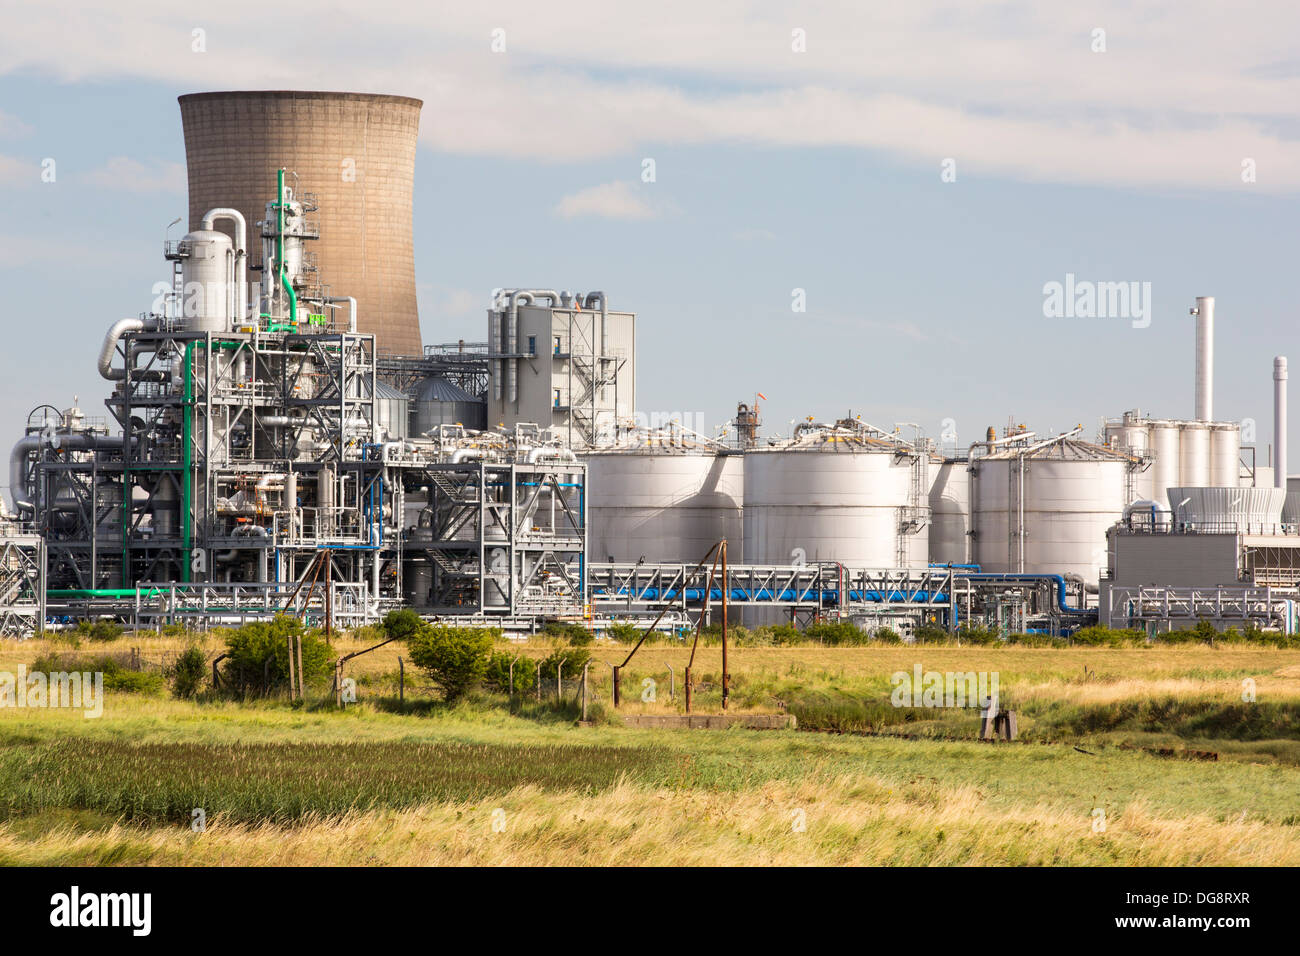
{"x":1060,"y":506}
{"x":662,"y":505}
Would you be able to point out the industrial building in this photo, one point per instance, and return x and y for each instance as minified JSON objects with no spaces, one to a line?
{"x":279,"y":439}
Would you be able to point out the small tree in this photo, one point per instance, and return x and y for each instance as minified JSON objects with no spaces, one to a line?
{"x":455,"y":658}
{"x":188,"y":671}
{"x":401,"y":624}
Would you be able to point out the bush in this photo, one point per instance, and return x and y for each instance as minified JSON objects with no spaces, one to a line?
{"x":929,"y":634}
{"x":1098,"y":636}
{"x":836,"y":633}
{"x":575,"y":634}
{"x":624,"y":633}
{"x":787,"y":635}
{"x":497,"y":676}
{"x":980,"y":636}
{"x":188,"y":671}
{"x":118,"y":670}
{"x":401,"y":624}
{"x":455,"y":658}
{"x":258,"y":655}
{"x":101,"y":630}
{"x":574,"y":658}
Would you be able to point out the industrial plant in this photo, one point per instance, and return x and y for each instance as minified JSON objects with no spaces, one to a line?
{"x":278,"y":439}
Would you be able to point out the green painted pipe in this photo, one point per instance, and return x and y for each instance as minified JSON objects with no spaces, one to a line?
{"x":279,"y":250}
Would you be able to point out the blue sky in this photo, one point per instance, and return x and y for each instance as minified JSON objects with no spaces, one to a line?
{"x":924,"y":297}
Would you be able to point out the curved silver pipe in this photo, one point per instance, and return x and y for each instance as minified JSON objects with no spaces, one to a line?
{"x":241,"y":253}
{"x":29,"y":443}
{"x":115,"y":332}
{"x":512,"y":333}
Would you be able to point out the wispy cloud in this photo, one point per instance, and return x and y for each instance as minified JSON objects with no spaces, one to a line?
{"x":1005,"y":88}
{"x":18,"y":172}
{"x":616,"y":200}
{"x":12,"y":126}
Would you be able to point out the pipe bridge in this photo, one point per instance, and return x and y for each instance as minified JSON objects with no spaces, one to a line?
{"x":820,"y":587}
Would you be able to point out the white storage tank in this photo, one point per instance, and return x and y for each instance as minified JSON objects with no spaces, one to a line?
{"x":208,"y":274}
{"x":1225,"y":454}
{"x":1068,"y":494}
{"x":833,"y":496}
{"x":666,"y":505}
{"x":392,"y":415}
{"x":949,"y":511}
{"x":1165,"y":447}
{"x":1194,"y":454}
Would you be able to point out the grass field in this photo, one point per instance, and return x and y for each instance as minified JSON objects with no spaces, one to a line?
{"x":476,"y":784}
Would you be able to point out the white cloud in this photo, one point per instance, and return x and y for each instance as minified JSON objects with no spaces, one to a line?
{"x":616,"y":200}
{"x":1183,"y":94}
{"x":11,"y":125}
{"x":131,"y":175}
{"x":18,"y":172}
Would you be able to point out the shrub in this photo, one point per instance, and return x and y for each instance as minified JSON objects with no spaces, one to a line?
{"x":575,"y":634}
{"x":786,"y":635}
{"x":101,"y":630}
{"x":1098,"y":636}
{"x":455,"y":658}
{"x":497,"y":676}
{"x":980,"y":636}
{"x":258,"y":655}
{"x":624,"y":632}
{"x":835,"y":633}
{"x":886,"y":635}
{"x":929,"y":634}
{"x":574,"y":658}
{"x":118,"y":670}
{"x":401,"y":624}
{"x":188,"y":671}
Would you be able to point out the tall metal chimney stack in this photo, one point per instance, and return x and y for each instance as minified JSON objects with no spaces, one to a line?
{"x":1279,"y":421}
{"x":1204,"y":313}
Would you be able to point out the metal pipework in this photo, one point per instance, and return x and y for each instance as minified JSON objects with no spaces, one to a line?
{"x":210,"y":219}
{"x":29,"y":443}
{"x":352,"y":308}
{"x":1279,"y":421}
{"x":1204,"y":313}
{"x":115,"y":332}
{"x":512,"y":333}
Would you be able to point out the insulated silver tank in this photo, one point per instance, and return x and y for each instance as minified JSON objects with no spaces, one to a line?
{"x":208,"y":275}
{"x":1067,"y":496}
{"x":667,"y":505}
{"x":832,"y":500}
{"x":1194,"y":454}
{"x":392,"y":412}
{"x":1225,"y":454}
{"x":950,"y":512}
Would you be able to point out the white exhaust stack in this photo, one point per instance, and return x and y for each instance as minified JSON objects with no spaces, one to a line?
{"x":1279,"y":422}
{"x":1204,"y":313}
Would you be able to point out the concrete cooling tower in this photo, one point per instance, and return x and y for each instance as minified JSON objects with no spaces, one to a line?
{"x":355,"y":152}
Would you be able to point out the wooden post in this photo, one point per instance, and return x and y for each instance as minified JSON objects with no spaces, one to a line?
{"x":289,"y":646}
{"x":686,"y":683}
{"x":302,"y":695}
{"x":725,"y":675}
{"x":401,"y":683}
{"x":584,"y":690}
{"x":618,"y":677}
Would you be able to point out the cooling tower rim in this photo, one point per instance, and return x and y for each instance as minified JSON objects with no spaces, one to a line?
{"x":392,"y":98}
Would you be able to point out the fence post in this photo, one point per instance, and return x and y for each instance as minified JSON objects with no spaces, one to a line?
{"x":584,"y":689}
{"x":401,"y":683}
{"x":672,"y":684}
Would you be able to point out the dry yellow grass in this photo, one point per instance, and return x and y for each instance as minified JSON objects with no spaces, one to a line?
{"x":854,"y":820}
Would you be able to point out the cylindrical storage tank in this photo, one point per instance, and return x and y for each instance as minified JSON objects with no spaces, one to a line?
{"x":1073,"y":492}
{"x":440,"y":402}
{"x":830,"y":502}
{"x":1164,"y":469}
{"x":207,"y":271}
{"x":1291,"y":509}
{"x":1225,"y":454}
{"x":668,"y":506}
{"x":950,"y":512}
{"x":392,"y":413}
{"x":1194,"y":455}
